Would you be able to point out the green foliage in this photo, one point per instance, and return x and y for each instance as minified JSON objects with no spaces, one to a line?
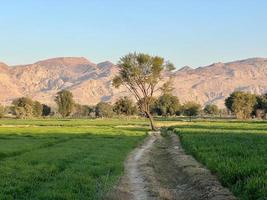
{"x":234,"y":151}
{"x":37,"y":109}
{"x":191,"y":109}
{"x":124,"y":106}
{"x":83,"y":111}
{"x":72,"y":159}
{"x":104,"y":109}
{"x":46,"y":110}
{"x":166,"y":104}
{"x":65,"y":103}
{"x":241,"y":104}
{"x":260,"y":108}
{"x":23,"y":107}
{"x":211,"y":109}
{"x":140,"y":74}
{"x":2,"y":111}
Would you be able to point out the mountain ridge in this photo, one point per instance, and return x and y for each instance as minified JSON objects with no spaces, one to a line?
{"x":91,"y":82}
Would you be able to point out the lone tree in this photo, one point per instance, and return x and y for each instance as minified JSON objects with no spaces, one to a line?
{"x":65,"y":103}
{"x":140,"y":74}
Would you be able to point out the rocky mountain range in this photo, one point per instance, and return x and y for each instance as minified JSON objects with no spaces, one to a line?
{"x":91,"y":83}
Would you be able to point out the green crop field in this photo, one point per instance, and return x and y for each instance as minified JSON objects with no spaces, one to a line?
{"x":83,"y":159}
{"x":235,"y":151}
{"x":64,"y":159}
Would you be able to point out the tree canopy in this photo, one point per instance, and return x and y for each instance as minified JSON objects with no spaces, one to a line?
{"x":124,"y":106}
{"x":65,"y":103}
{"x":211,"y":109}
{"x":166,"y":104}
{"x":140,"y":74}
{"x":104,"y":109}
{"x":191,"y":109}
{"x":241,"y":104}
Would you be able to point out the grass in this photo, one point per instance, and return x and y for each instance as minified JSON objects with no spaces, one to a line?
{"x":235,"y":151}
{"x":83,"y":159}
{"x":64,"y":159}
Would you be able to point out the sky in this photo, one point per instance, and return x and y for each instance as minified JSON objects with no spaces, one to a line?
{"x":185,"y":32}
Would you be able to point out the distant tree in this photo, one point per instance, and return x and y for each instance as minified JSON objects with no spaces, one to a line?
{"x":211,"y":109}
{"x":191,"y":109}
{"x":82,"y":111}
{"x":260,"y":108}
{"x":46,"y":110}
{"x":37,"y":109}
{"x":2,"y":111}
{"x":167,"y":104}
{"x":104,"y":109}
{"x":23,"y":107}
{"x":65,"y":103}
{"x":140,"y":74}
{"x":124,"y":106}
{"x":241,"y":104}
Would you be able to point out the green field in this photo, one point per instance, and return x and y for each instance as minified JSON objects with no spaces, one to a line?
{"x":64,"y":159}
{"x":83,"y":159}
{"x":235,"y":151}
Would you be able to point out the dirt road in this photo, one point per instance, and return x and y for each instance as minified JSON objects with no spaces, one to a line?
{"x":160,"y":169}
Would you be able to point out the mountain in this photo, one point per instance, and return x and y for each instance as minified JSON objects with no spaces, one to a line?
{"x":91,"y":83}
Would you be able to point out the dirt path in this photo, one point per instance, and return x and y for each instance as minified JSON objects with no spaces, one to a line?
{"x":160,"y":169}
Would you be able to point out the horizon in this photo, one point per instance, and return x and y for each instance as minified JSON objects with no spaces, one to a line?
{"x":90,"y":60}
{"x":186,"y":33}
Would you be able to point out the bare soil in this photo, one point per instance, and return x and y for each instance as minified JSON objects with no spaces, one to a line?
{"x":160,"y":169}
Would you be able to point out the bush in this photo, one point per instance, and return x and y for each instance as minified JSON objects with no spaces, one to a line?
{"x":211,"y":109}
{"x":103,"y":109}
{"x":165,"y":105}
{"x":124,"y":106}
{"x":191,"y":109}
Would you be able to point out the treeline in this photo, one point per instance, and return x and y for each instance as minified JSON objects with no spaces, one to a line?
{"x":242,"y":105}
{"x":245,"y":105}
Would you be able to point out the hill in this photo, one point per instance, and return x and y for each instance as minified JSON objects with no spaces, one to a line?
{"x":91,"y":83}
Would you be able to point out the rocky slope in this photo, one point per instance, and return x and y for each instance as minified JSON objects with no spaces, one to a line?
{"x":91,"y":83}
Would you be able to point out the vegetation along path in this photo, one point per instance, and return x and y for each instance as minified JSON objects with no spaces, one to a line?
{"x":160,"y":169}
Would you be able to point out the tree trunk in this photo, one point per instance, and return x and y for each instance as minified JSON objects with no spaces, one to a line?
{"x":150,"y":117}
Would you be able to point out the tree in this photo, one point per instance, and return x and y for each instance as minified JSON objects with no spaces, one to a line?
{"x":124,"y":106}
{"x":211,"y":109}
{"x":191,"y":109}
{"x":140,"y":74}
{"x":260,"y":108}
{"x":23,"y":107}
{"x":65,"y":103}
{"x":37,"y":109}
{"x":241,"y":104}
{"x":2,"y":111}
{"x":104,"y":109}
{"x":82,"y":110}
{"x":46,"y":110}
{"x":166,"y":104}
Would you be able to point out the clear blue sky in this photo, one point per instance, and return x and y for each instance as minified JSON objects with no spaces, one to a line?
{"x":186,"y":32}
